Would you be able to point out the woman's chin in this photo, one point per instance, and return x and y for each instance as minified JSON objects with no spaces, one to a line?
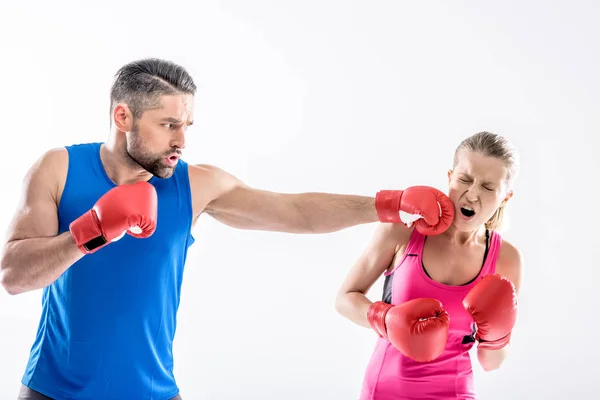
{"x":464,"y":224}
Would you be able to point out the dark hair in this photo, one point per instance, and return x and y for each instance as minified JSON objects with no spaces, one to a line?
{"x":140,"y":84}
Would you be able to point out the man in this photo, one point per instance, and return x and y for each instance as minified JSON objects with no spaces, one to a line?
{"x":104,"y":229}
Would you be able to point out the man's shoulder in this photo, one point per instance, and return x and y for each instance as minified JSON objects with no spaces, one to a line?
{"x":207,"y":172}
{"x":83,"y":146}
{"x":205,"y":177}
{"x":54,"y":156}
{"x":56,"y":159}
{"x":209,"y":182}
{"x":204,"y":168}
{"x":57,"y":153}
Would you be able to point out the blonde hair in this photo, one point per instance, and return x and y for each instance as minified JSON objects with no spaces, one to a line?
{"x":492,"y":145}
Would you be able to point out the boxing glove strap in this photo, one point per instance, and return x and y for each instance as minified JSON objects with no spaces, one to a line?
{"x":86,"y":232}
{"x":387,"y":203}
{"x":494,"y":344}
{"x":376,"y":316}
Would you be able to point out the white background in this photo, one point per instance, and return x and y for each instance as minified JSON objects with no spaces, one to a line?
{"x":335,"y":96}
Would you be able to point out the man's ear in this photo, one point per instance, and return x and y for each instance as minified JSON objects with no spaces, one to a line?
{"x":123,"y":117}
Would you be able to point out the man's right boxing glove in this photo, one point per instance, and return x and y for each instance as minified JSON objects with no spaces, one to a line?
{"x":418,"y":328}
{"x":124,"y":209}
{"x":431,"y":208}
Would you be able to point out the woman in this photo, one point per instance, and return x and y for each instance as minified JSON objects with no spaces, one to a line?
{"x":436,"y":303}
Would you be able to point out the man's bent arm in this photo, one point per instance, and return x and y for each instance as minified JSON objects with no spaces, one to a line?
{"x":34,"y":255}
{"x":35,"y":263}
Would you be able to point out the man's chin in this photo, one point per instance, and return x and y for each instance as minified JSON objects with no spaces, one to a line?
{"x":163,"y":173}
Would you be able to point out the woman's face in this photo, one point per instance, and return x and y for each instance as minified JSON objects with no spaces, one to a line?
{"x":477,"y":187}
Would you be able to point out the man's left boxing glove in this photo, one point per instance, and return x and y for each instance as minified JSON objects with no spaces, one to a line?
{"x":124,"y":209}
{"x":432,"y":210}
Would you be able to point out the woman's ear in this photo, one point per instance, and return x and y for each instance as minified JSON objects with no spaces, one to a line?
{"x":509,"y":194}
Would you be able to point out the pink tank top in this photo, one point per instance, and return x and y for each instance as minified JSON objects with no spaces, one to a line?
{"x":392,"y":376}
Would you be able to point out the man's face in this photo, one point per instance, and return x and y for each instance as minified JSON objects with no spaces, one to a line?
{"x":157,"y":138}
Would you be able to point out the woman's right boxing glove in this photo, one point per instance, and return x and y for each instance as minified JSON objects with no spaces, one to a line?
{"x":418,"y":328}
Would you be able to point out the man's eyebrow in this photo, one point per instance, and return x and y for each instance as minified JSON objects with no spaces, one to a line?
{"x":175,"y":120}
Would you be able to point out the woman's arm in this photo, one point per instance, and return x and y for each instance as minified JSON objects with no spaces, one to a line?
{"x":509,"y":265}
{"x":351,"y":300}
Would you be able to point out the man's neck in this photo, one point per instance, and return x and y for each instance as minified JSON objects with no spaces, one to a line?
{"x":119,"y":167}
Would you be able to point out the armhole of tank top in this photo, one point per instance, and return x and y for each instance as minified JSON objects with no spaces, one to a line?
{"x":493,"y":252}
{"x":69,"y":149}
{"x":412,"y":247}
{"x":185,"y":175}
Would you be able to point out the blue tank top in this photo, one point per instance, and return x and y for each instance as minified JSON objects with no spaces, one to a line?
{"x":108,"y":323}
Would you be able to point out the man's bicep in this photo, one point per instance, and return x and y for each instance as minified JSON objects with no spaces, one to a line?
{"x":37,"y":211}
{"x":34,"y":219}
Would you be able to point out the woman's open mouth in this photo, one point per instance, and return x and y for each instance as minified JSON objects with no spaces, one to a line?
{"x":467,"y":212}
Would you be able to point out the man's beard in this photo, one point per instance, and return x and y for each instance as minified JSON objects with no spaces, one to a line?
{"x":150,"y":162}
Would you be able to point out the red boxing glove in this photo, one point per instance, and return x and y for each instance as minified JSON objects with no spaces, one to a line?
{"x":418,"y":328}
{"x":493,"y":305}
{"x":432,"y":209}
{"x":124,"y":209}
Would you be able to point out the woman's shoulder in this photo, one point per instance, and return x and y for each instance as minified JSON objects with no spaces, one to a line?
{"x":510,"y":263}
